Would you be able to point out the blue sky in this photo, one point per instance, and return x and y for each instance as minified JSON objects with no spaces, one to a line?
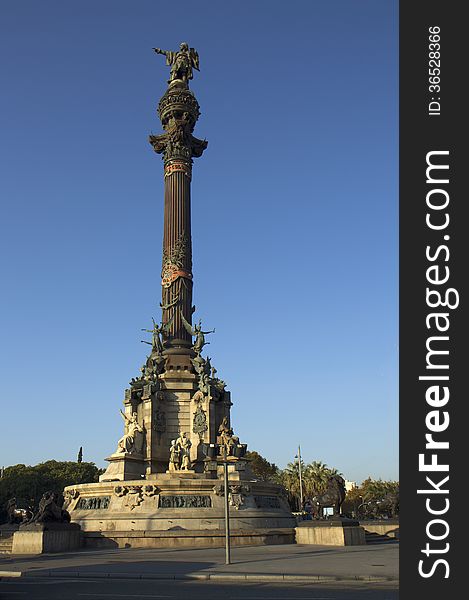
{"x":294,"y":212}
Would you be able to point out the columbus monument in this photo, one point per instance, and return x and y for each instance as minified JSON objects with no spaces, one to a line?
{"x":164,"y":484}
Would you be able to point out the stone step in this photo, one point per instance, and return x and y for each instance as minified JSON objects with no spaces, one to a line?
{"x":375,"y":538}
{"x":6,"y":544}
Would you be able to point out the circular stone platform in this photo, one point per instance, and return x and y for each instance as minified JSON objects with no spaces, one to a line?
{"x":183,"y":509}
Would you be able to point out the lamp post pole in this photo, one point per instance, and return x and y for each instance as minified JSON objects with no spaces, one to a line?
{"x":357,"y":508}
{"x":220,"y":453}
{"x":227,"y":512}
{"x":301,"y":479}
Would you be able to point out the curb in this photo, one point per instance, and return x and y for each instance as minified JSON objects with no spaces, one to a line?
{"x":248,"y":577}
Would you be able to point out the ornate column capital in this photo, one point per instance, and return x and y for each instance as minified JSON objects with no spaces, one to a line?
{"x":178,"y":110}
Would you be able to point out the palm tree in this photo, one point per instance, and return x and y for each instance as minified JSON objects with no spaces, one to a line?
{"x":290,"y":479}
{"x":316,"y":477}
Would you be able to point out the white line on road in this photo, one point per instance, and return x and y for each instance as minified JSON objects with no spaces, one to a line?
{"x":231,"y":597}
{"x":125,"y":595}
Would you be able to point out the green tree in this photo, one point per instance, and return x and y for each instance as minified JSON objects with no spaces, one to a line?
{"x":367,"y":499}
{"x":290,"y":479}
{"x":261,"y":467}
{"x":28,"y":483}
{"x":316,"y":476}
{"x":314,"y":479}
{"x":352,"y":502}
{"x":376,"y":489}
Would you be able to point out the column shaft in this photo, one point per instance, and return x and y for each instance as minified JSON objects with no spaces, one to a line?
{"x":177,"y":256}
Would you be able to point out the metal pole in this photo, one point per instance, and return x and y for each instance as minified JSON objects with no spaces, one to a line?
{"x":301,"y":479}
{"x":227,"y":514}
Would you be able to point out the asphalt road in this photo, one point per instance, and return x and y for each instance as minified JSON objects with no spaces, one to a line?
{"x":89,"y":589}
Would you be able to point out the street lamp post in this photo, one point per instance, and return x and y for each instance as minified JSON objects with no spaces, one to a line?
{"x":301,"y":478}
{"x":227,"y":510}
{"x":357,"y":508}
{"x":221,"y":452}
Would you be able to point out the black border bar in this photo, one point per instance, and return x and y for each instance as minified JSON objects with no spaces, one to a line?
{"x":433,"y":272}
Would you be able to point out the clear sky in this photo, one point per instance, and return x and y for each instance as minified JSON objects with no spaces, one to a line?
{"x":294,"y":220}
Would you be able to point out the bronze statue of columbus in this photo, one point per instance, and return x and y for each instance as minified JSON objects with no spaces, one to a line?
{"x":181,"y":62}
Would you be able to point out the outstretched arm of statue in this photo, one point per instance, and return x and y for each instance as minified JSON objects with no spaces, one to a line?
{"x":207,"y":332}
{"x":160,"y":51}
{"x":124,"y":416}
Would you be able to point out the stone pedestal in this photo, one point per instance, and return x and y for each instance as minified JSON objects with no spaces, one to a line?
{"x":334,"y":532}
{"x":7,"y":529}
{"x":181,"y":504}
{"x":388,"y":528}
{"x":39,"y":538}
{"x":6,"y":537}
{"x":124,"y":467}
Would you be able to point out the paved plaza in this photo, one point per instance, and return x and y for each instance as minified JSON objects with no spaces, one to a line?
{"x":287,"y":572}
{"x":376,"y":562}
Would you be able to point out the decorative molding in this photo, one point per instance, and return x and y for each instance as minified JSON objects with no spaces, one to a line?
{"x":69,"y":497}
{"x":185,"y":501}
{"x":93,"y":503}
{"x":120,"y":490}
{"x":267,"y":501}
{"x":150,"y":490}
{"x":199,"y":423}
{"x":135,"y":494}
{"x":174,"y":100}
{"x":236,"y":493}
{"x":159,"y":422}
{"x":170,"y":273}
{"x":198,"y":397}
{"x":174,"y":262}
{"x":178,"y":167}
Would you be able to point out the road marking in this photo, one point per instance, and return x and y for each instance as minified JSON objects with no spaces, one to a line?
{"x":125,"y":595}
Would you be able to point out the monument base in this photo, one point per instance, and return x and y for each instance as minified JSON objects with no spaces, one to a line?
{"x":387,"y":528}
{"x":39,"y":538}
{"x":333,"y":532}
{"x":9,"y":528}
{"x":187,"y":539}
{"x":180,"y":509}
{"x":123,"y":467}
{"x":6,"y":537}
